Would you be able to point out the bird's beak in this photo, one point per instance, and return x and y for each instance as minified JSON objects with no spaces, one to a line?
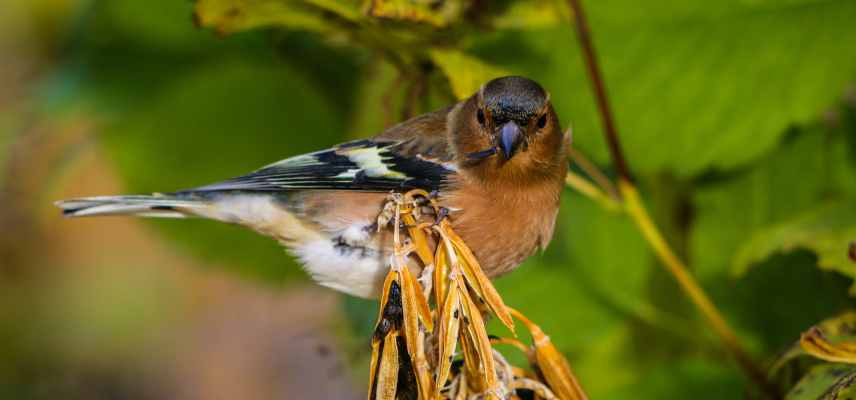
{"x":509,"y":138}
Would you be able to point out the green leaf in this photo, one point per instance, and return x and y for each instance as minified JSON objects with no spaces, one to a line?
{"x":347,"y":9}
{"x":161,"y":24}
{"x":768,"y":305}
{"x":813,"y":165}
{"x":695,"y":86}
{"x":465,"y":73}
{"x":229,"y":16}
{"x":837,"y":329}
{"x":827,"y":230}
{"x":224,"y":120}
{"x":437,"y":14}
{"x":826,"y":382}
{"x":685,"y":378}
{"x":532,"y":14}
{"x":591,"y":293}
{"x":810,"y":168}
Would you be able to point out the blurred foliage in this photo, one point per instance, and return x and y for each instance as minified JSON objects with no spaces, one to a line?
{"x":736,"y":117}
{"x":826,"y":231}
{"x":806,"y":377}
{"x":826,"y":382}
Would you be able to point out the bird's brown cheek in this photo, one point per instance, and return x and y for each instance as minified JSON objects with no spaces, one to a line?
{"x":474,"y":140}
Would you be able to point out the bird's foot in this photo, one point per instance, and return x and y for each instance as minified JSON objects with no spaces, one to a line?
{"x":442,"y":213}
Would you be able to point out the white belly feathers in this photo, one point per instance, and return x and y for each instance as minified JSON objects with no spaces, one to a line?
{"x":342,"y":260}
{"x":356,"y":271}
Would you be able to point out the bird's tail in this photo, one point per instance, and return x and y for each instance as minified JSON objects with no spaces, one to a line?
{"x":156,"y":205}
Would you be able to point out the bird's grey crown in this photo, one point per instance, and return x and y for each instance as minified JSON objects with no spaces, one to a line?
{"x":513,"y":98}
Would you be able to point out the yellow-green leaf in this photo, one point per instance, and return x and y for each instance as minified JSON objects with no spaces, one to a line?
{"x":465,"y":72}
{"x":826,"y":381}
{"x":347,"y":9}
{"x":827,"y":231}
{"x":417,"y":11}
{"x":532,"y":14}
{"x":229,"y":16}
{"x":835,"y":331}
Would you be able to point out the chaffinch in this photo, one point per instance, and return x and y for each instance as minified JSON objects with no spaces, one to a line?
{"x":496,"y":160}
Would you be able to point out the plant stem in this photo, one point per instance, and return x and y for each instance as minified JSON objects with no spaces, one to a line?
{"x":591,"y":169}
{"x":584,"y":34}
{"x":585,"y":187}
{"x":636,"y":210}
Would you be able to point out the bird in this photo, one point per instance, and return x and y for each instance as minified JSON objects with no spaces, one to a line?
{"x":496,"y":161}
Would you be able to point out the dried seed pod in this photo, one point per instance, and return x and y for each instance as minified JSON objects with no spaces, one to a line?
{"x":553,"y":365}
{"x":414,"y":299}
{"x":395,"y":330}
{"x":387,"y":375}
{"x":476,"y":278}
{"x":401,"y":368}
{"x":463,"y":388}
{"x":420,"y":240}
{"x":450,"y":323}
{"x":441,"y":275}
{"x":475,"y":332}
{"x":383,"y":378}
{"x":471,"y":368}
{"x":416,"y":308}
{"x":541,"y":390}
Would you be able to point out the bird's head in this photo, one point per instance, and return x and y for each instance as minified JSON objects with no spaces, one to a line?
{"x":508,"y":129}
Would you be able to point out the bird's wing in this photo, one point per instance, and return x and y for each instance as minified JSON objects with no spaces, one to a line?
{"x":423,"y":136}
{"x":375,"y":165}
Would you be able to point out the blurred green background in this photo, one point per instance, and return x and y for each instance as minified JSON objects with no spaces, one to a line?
{"x":738,"y":118}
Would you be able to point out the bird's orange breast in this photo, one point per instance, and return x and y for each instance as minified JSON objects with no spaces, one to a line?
{"x":503,"y":228}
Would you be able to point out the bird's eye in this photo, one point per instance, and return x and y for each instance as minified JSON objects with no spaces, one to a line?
{"x":480,"y":117}
{"x":542,"y":122}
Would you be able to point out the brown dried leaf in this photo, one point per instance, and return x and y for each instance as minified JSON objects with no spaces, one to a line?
{"x":840,"y":328}
{"x":815,"y":343}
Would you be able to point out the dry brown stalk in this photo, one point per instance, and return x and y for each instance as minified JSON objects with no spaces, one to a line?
{"x":444,"y":352}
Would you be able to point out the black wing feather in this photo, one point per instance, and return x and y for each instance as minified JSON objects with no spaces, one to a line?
{"x":362,"y":165}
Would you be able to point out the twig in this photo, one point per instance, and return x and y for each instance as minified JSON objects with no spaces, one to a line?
{"x":584,"y":34}
{"x":636,"y":209}
{"x":594,"y":172}
{"x":585,"y":187}
{"x":679,"y":270}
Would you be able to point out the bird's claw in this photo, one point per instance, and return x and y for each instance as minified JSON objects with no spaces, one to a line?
{"x":442,"y":213}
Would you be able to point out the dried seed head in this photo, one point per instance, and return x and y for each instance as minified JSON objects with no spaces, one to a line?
{"x":406,"y":358}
